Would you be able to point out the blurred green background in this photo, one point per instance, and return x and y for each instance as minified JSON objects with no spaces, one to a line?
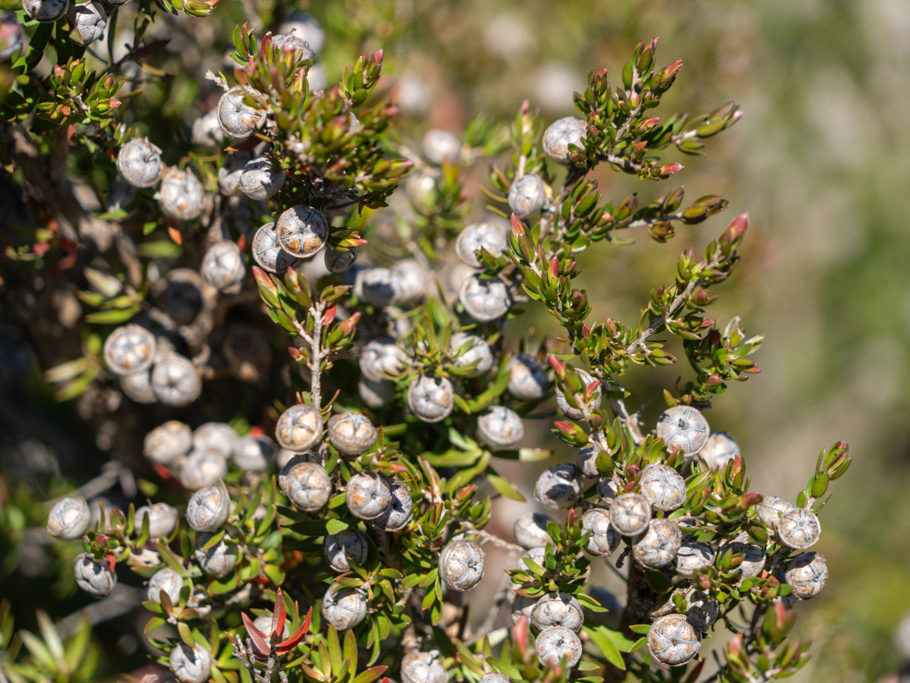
{"x":818,"y":163}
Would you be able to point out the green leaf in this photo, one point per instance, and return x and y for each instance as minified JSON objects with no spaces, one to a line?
{"x":600,"y":637}
{"x":505,"y":488}
{"x":335,"y":526}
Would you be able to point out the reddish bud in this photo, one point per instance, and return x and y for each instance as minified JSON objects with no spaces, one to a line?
{"x":735,"y":230}
{"x":295,"y":353}
{"x":329,"y":314}
{"x":558,"y":366}
{"x":347,"y":326}
{"x":671,"y":168}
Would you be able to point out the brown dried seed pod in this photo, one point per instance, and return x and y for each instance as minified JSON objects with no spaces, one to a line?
{"x":139,"y":162}
{"x":423,"y":667}
{"x":347,"y":546}
{"x":368,"y":495}
{"x":527,"y":195}
{"x":208,"y":508}
{"x":562,"y":133}
{"x":683,"y":427}
{"x":69,"y":518}
{"x":693,"y":557}
{"x":128,"y":349}
{"x":500,"y":427}
{"x":557,"y":609}
{"x":237,"y":118}
{"x":807,"y":574}
{"x":528,"y":380}
{"x":253,"y":453}
{"x":431,"y":399}
{"x":630,"y":514}
{"x":579,"y":413}
{"x":798,"y":528}
{"x":299,"y":428}
{"x":302,"y":231}
{"x":558,"y":487}
{"x":344,"y":608}
{"x":461,"y":564}
{"x":602,"y":538}
{"x":489,"y":236}
{"x":485,"y":299}
{"x":673,"y":640}
{"x":556,"y":644}
{"x":718,"y":451}
{"x":231,"y":170}
{"x":307,"y":485}
{"x":663,"y":486}
{"x":658,"y":546}
{"x":181,"y":195}
{"x":351,"y":433}
{"x":175,"y":381}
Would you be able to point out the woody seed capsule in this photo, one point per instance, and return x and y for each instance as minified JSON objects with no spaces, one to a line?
{"x":181,"y":196}
{"x":95,"y":578}
{"x":412,"y":280}
{"x":530,"y":530}
{"x":137,"y":387}
{"x":368,"y":495}
{"x":607,"y":490}
{"x":218,"y":560}
{"x":378,"y":286}
{"x":190,"y":664}
{"x":89,"y":20}
{"x":753,"y":556}
{"x":207,"y":131}
{"x":69,"y":518}
{"x":473,"y":350}
{"x":557,"y":609}
{"x":556,"y":644}
{"x":630,"y":514}
{"x":128,"y":349}
{"x":562,"y":133}
{"x":658,"y":546}
{"x":683,"y":427}
{"x":500,"y":427}
{"x":264,"y":624}
{"x":495,"y":678}
{"x":441,"y":145}
{"x":340,"y":549}
{"x":175,"y":381}
{"x":139,"y":162}
{"x":261,"y":179}
{"x":302,"y":231}
{"x":208,"y":509}
{"x":165,"y":580}
{"x":397,"y":516}
{"x":238,"y":119}
{"x":218,"y":436}
{"x":222,"y":266}
{"x":307,"y":486}
{"x":382,"y":357}
{"x":344,"y":608}
{"x":527,"y":379}
{"x":485,"y":299}
{"x":798,"y":528}
{"x":351,"y":433}
{"x":431,"y":399}
{"x":663,"y":486}
{"x":162,"y":519}
{"x":693,"y":557}
{"x":423,"y":667}
{"x":488,"y":236}
{"x":267,"y":251}
{"x":585,"y":408}
{"x":253,"y":453}
{"x":718,"y":451}
{"x":673,"y":640}
{"x":602,"y":537}
{"x":771,"y":509}
{"x":558,"y":487}
{"x":807,"y":574}
{"x":292,"y":43}
{"x":587,"y":461}
{"x":230,"y":172}
{"x":461,"y":564}
{"x":45,"y":10}
{"x":338,"y":261}
{"x":305,"y":27}
{"x":527,"y":195}
{"x":299,"y":428}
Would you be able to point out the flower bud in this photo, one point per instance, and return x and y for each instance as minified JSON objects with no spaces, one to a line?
{"x":128,"y":349}
{"x":208,"y":509}
{"x":527,"y":195}
{"x":139,"y":162}
{"x":555,"y":644}
{"x":557,"y":609}
{"x":302,"y":231}
{"x":351,"y":433}
{"x":500,"y":427}
{"x":461,"y":564}
{"x":223,"y":266}
{"x":165,"y":580}
{"x":340,"y":549}
{"x":95,"y":578}
{"x":344,"y":608}
{"x":368,"y":495}
{"x":307,"y":485}
{"x":162,"y":519}
{"x":558,"y":487}
{"x":672,"y":640}
{"x":630,"y":514}
{"x":299,"y":428}
{"x":431,"y":399}
{"x":190,"y":664}
{"x":218,"y":560}
{"x":663,"y":486}
{"x":485,"y":299}
{"x":658,"y":546}
{"x":683,"y":427}
{"x":69,"y":519}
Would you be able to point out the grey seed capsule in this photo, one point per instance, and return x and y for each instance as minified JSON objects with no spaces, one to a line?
{"x":308,"y":486}
{"x":128,"y":349}
{"x":293,"y":43}
{"x":139,"y":162}
{"x":207,"y":131}
{"x":253,"y":453}
{"x":95,"y":578}
{"x":218,"y":436}
{"x":199,"y":602}
{"x":162,"y":519}
{"x":441,"y":145}
{"x":557,"y":609}
{"x":494,"y":678}
{"x":412,"y":279}
{"x":807,"y":574}
{"x":557,"y":644}
{"x":771,"y":509}
{"x":316,"y":78}
{"x":165,"y":580}
{"x":469,"y":349}
{"x":587,"y":461}
{"x":344,"y":608}
{"x":45,"y":10}
{"x":663,"y":486}
{"x":527,"y":379}
{"x":347,"y":546}
{"x":488,"y":236}
{"x":753,"y":556}
{"x":562,"y":133}
{"x":12,"y":34}
{"x":693,"y":557}
{"x":338,"y":261}
{"x":701,"y":611}
{"x":168,"y":442}
{"x":306,"y":28}
{"x":602,"y":538}
{"x":238,"y":119}
{"x":368,"y":495}
{"x":264,"y":624}
{"x":530,"y":530}
{"x":219,"y":560}
{"x":630,"y":514}
{"x":397,"y":516}
{"x":798,"y":528}
{"x":375,"y":394}
{"x":683,"y":427}
{"x":673,"y":640}
{"x":230,"y":172}
{"x":431,"y":399}
{"x":146,"y":558}
{"x":261,"y":179}
{"x":137,"y":386}
{"x":69,"y":518}
{"x":379,"y":286}
{"x":718,"y":451}
{"x":267,"y":251}
{"x":423,"y":667}
{"x":607,"y":490}
{"x":222,"y":265}
{"x":522,"y":606}
{"x":500,"y":427}
{"x":658,"y":546}
{"x":461,"y":564}
{"x":302,"y":231}
{"x":585,"y":409}
{"x":190,"y":664}
{"x":381,"y":358}
{"x":175,"y":381}
{"x":558,"y":487}
{"x":420,"y":188}
{"x":208,"y":508}
{"x":485,"y":299}
{"x":89,"y":20}
{"x":299,"y":428}
{"x":527,"y":195}
{"x":351,"y":433}
{"x":181,"y":195}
